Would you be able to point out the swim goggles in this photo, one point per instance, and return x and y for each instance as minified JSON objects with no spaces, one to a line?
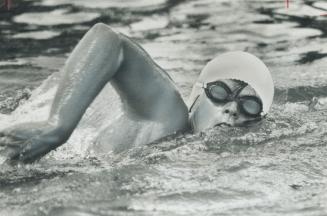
{"x":219,"y":92}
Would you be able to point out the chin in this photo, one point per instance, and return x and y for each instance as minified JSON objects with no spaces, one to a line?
{"x":199,"y":126}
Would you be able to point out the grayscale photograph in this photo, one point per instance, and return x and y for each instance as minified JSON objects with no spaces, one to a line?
{"x":163,"y":107}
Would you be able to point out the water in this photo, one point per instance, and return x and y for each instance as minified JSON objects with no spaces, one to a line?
{"x":277,"y":168}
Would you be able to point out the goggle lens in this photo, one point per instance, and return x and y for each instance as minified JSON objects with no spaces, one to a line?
{"x":218,"y":93}
{"x":251,"y":107}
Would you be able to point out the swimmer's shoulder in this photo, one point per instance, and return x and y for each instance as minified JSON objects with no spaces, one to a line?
{"x":159,"y":96}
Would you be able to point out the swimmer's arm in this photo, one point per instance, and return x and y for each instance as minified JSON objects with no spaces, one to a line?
{"x":93,"y":62}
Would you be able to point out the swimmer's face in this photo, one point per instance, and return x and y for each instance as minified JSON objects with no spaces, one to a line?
{"x":226,"y":102}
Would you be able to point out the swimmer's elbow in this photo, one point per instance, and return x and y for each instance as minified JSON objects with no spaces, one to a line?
{"x":112,"y":36}
{"x":105,"y":29}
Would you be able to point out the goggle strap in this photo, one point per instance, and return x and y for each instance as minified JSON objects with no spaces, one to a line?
{"x":201,"y":85}
{"x":189,"y":110}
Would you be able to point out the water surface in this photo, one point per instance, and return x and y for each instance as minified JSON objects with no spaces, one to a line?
{"x":276,"y":168}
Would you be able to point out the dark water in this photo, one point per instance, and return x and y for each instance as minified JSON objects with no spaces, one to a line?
{"x":277,"y":168}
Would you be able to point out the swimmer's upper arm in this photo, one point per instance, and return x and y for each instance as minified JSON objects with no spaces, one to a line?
{"x":146,"y":89}
{"x":104,"y":55}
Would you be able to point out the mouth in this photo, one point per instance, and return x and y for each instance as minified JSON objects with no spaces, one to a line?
{"x":223,"y":124}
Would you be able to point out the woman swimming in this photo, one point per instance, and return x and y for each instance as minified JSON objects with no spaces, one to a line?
{"x":234,"y":89}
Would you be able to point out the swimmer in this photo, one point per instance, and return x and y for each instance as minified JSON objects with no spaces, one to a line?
{"x":234,"y":89}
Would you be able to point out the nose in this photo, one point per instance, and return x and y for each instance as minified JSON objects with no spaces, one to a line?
{"x":230,"y":109}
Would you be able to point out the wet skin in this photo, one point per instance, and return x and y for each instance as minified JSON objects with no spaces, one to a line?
{"x":207,"y":113}
{"x":148,"y":94}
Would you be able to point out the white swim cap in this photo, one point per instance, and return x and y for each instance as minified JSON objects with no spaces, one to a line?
{"x":241,"y":66}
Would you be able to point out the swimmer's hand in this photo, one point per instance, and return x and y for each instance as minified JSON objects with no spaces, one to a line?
{"x":22,"y":144}
{"x":30,"y":150}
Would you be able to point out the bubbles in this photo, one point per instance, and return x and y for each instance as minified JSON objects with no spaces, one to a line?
{"x":9,"y":104}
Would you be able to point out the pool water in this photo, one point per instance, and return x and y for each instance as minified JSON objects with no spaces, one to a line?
{"x":276,"y":168}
